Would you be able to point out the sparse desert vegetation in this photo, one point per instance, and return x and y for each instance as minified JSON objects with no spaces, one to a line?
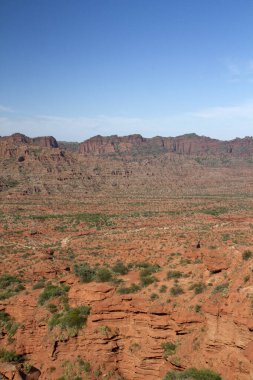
{"x":145,"y":277}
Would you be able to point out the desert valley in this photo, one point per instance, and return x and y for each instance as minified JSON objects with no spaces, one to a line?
{"x":126,"y":258}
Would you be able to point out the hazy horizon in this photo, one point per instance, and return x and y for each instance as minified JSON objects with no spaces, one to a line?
{"x":151,"y":136}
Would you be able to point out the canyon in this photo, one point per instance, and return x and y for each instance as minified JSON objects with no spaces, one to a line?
{"x":126,"y":257}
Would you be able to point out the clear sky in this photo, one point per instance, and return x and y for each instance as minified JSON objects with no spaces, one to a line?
{"x":77,"y":68}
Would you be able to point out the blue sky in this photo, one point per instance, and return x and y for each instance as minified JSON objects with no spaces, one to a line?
{"x":74,"y":69}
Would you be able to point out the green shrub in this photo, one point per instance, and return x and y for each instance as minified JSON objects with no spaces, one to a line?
{"x":9,"y":286}
{"x":75,"y":370}
{"x":7,"y":323}
{"x":116,"y":281}
{"x":146,"y":272}
{"x":8,"y":182}
{"x":27,"y":368}
{"x":39,"y":285}
{"x":71,"y":320}
{"x":152,"y":268}
{"x":18,"y":288}
{"x":85,"y":272}
{"x":103,"y":275}
{"x":83,"y":365}
{"x":198,"y":288}
{"x":147,"y":280}
{"x":131,"y":289}
{"x":163,"y":289}
{"x":6,"y":294}
{"x":154,"y":297}
{"x":10,"y":356}
{"x":246,"y":278}
{"x":177,"y":254}
{"x":220,"y":288}
{"x":120,"y":268}
{"x":174,"y":274}
{"x":104,"y":330}
{"x":146,"y":277}
{"x":247,"y":255}
{"x":97,"y":373}
{"x":52,"y":308}
{"x":169,"y":348}
{"x":52,"y":291}
{"x":193,"y":374}
{"x":176,"y":290}
{"x":197,"y":308}
{"x":4,"y":317}
{"x":6,"y":280}
{"x":215,"y":212}
{"x":225,"y":237}
{"x":185,"y":261}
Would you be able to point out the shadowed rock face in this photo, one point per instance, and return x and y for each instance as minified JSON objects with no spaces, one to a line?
{"x":47,"y":141}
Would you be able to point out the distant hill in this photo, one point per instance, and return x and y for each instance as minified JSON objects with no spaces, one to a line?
{"x":189,"y":144}
{"x":135,"y":146}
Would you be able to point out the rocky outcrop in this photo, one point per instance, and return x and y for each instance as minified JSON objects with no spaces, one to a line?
{"x":17,"y":138}
{"x":10,"y":146}
{"x":138,"y":146}
{"x":111,"y":144}
{"x":125,"y":335}
{"x":190,"y":144}
{"x":47,"y":141}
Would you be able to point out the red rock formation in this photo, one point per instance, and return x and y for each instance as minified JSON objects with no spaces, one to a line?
{"x":105,"y":145}
{"x":190,"y":144}
{"x":136,"y":145}
{"x":16,"y":138}
{"x":125,"y":333}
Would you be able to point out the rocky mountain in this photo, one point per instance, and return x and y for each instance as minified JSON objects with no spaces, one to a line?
{"x":123,"y":164}
{"x":10,"y":146}
{"x":189,"y":144}
{"x":136,"y":146}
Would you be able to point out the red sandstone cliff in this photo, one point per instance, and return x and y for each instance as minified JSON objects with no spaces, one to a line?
{"x":10,"y":144}
{"x":190,"y":144}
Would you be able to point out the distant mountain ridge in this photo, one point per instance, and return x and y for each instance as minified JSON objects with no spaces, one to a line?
{"x":183,"y":164}
{"x":188,"y":144}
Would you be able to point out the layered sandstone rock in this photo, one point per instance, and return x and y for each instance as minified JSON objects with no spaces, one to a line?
{"x":125,"y":333}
